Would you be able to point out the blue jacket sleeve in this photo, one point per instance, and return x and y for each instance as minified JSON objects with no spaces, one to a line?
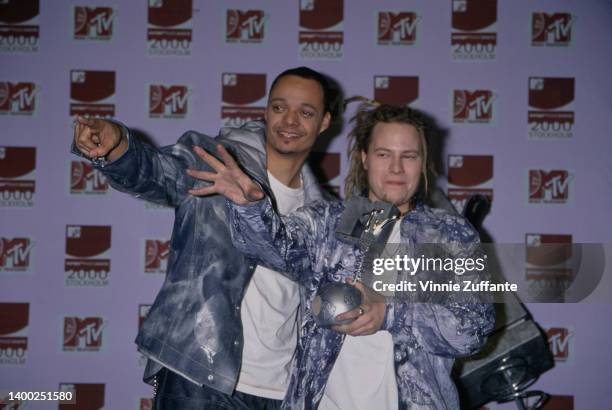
{"x":157,"y":175}
{"x":291,"y":244}
{"x":454,"y":328}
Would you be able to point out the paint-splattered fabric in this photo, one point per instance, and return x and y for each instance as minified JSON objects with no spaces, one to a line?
{"x":426,"y":337}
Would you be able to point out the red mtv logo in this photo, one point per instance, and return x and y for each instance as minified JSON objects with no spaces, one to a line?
{"x":549,"y":186}
{"x":83,"y":334}
{"x":17,"y":98}
{"x":245,"y":25}
{"x":399,"y":90}
{"x":397,"y":28}
{"x":93,"y":22}
{"x":472,"y":106}
{"x":84,"y":178}
{"x":168,"y":101}
{"x":551,"y":29}
{"x":559,"y":342}
{"x":15,"y":253}
{"x":156,"y":255}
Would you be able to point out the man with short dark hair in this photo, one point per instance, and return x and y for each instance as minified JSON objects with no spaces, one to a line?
{"x":222,"y":330}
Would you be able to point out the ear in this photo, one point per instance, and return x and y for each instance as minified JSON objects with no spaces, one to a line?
{"x":364,"y":160}
{"x":325,"y":122}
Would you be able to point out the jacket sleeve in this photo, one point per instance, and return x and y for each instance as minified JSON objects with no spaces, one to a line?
{"x":458,"y":326}
{"x":156,"y":175}
{"x":291,"y":244}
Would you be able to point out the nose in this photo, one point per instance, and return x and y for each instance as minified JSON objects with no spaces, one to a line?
{"x":396,"y":166}
{"x":291,"y":117}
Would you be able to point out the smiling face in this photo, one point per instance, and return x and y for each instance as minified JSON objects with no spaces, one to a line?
{"x":394,"y":163}
{"x":295,"y":116}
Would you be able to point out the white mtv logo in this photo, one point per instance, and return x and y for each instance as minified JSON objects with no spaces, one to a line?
{"x":479,"y":107}
{"x":381,"y":82}
{"x":556,"y":187}
{"x":558,"y":30}
{"x":534,"y":240}
{"x":404,"y":28}
{"x":455,"y":161}
{"x":100,"y":24}
{"x":17,"y":255}
{"x":90,"y":334}
{"x":73,"y":232}
{"x":251,"y":27}
{"x":23,"y":99}
{"x":559,"y":343}
{"x":94,"y":180}
{"x":230,"y":80}
{"x":175,"y":102}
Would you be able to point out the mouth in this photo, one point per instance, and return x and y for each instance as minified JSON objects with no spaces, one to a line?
{"x":289,"y":135}
{"x":396,"y":183}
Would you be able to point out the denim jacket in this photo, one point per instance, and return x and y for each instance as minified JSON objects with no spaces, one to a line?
{"x":194,"y":326}
{"x":426,"y":337}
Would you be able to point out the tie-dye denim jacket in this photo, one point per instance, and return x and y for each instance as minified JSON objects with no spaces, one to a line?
{"x":194,"y":326}
{"x":426,"y":337}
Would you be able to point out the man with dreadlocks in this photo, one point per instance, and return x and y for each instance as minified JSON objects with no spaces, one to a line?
{"x":394,"y":354}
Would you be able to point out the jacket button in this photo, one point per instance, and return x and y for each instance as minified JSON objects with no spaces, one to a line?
{"x":237,"y":307}
{"x":236,"y":343}
{"x":251,"y":267}
{"x":211,"y":377}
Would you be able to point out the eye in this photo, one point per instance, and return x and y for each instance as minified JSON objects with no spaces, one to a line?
{"x":307,"y":114}
{"x":413,"y":156}
{"x":277,"y":108}
{"x":382,"y":154}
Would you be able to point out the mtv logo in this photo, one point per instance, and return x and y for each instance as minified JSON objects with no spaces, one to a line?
{"x":473,"y":106}
{"x":559,"y":341}
{"x":168,"y":101}
{"x":551,"y":29}
{"x":460,"y":6}
{"x":243,"y":88}
{"x":15,"y":254}
{"x":83,"y":333}
{"x":548,"y":93}
{"x":84,"y":178}
{"x":17,"y":98}
{"x":230,"y":79}
{"x":245,"y":26}
{"x":548,"y":250}
{"x":549,"y":186}
{"x":455,"y":161}
{"x":77,"y":76}
{"x":469,"y":170}
{"x":307,"y":5}
{"x":156,"y":255}
{"x":381,"y":82}
{"x":73,"y":232}
{"x":398,"y":90}
{"x":397,"y":28}
{"x":93,"y":22}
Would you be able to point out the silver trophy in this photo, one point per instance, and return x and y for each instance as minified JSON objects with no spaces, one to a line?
{"x":333,"y":299}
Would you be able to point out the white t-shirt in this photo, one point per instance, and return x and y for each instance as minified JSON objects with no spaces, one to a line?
{"x":269,"y":318}
{"x":363,"y":376}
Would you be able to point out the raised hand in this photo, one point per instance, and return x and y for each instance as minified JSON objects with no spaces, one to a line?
{"x":96,"y":137}
{"x":368,"y":317}
{"x":227,"y":180}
